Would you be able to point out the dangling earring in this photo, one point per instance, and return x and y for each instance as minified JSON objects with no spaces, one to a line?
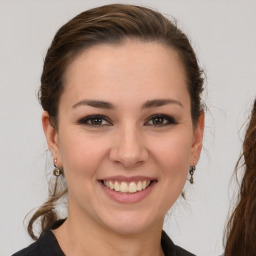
{"x":191,"y":171}
{"x":57,"y":170}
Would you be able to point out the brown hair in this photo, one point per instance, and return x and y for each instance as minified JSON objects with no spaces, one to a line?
{"x":241,"y":228}
{"x":110,"y":24}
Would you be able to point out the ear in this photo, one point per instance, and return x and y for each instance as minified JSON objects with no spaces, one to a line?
{"x":51,"y":136}
{"x":197,"y":140}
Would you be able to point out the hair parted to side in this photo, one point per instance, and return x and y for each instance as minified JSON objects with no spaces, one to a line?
{"x":241,"y":228}
{"x":109,"y":24}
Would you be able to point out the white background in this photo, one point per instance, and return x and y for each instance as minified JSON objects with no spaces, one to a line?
{"x":224,"y":36}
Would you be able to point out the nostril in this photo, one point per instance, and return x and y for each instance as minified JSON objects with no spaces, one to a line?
{"x":128,"y":146}
{"x":128,"y":157}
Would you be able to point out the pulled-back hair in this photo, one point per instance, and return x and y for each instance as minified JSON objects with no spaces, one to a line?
{"x":241,"y":228}
{"x":110,"y":24}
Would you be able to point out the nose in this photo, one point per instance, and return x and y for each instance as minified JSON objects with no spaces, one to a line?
{"x":129,"y":148}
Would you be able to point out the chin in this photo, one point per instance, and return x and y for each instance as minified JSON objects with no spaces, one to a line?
{"x":129,"y":224}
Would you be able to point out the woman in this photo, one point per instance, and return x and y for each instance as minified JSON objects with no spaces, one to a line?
{"x":123,"y":120}
{"x":241,"y":230}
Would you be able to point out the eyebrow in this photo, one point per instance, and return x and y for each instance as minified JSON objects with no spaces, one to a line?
{"x":94,"y":103}
{"x":161,"y":102}
{"x":107,"y":105}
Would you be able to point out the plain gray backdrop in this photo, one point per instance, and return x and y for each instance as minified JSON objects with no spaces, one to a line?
{"x":224,"y":36}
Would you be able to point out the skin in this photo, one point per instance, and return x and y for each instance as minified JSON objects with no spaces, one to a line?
{"x":126,"y":142}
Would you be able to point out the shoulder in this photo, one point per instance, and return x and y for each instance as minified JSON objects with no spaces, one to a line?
{"x":31,"y":250}
{"x":170,"y":249}
{"x":46,"y":245}
{"x":181,"y":252}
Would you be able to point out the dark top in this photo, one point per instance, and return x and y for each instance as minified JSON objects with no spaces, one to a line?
{"x":47,"y":245}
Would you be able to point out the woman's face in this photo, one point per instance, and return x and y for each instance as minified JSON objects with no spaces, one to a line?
{"x":125,"y":136}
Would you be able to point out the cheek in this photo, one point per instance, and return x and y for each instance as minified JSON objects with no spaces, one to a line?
{"x":173,"y":153}
{"x":173,"y":159}
{"x":81,"y":155}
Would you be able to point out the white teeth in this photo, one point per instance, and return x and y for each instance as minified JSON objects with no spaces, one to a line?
{"x":111,"y":185}
{"x":125,"y":187}
{"x":132,"y":187}
{"x":139,"y":186}
{"x":116,"y":186}
{"x":144,"y":184}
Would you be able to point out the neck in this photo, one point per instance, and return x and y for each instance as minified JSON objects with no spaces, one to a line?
{"x":79,"y":236}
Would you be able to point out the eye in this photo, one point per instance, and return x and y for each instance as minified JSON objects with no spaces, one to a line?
{"x":161,"y":120}
{"x":95,"y":120}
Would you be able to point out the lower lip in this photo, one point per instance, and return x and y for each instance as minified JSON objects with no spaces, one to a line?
{"x":128,"y":197}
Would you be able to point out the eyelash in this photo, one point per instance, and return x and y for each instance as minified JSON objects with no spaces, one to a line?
{"x":87,"y":119}
{"x":167,"y":120}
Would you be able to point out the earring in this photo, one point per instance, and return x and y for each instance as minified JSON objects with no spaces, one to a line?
{"x":57,"y":170}
{"x":191,"y":172}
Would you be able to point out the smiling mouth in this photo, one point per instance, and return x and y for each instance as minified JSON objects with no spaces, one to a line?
{"x":127,"y":187}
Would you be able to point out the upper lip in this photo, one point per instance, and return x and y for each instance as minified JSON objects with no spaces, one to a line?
{"x":121,"y":178}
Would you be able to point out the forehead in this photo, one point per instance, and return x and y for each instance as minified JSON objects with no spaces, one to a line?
{"x":129,"y":68}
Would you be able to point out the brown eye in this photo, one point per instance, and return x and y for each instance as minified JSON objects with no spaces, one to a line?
{"x":160,"y":120}
{"x":95,"y":120}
